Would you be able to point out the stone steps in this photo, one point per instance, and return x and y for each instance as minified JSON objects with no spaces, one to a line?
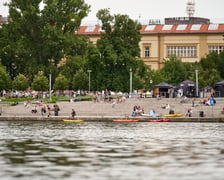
{"x":121,"y":109}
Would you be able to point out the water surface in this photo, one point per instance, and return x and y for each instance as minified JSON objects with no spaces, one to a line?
{"x":109,"y":150}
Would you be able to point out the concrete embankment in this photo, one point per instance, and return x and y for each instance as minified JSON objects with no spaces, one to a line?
{"x":110,"y":118}
{"x":104,"y":111}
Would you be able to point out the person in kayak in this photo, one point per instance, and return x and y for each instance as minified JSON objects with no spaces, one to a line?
{"x":73,"y":113}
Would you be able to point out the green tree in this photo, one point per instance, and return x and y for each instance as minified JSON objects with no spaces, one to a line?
{"x":71,"y":67}
{"x":174,"y":71}
{"x":214,"y":61}
{"x":80,"y":80}
{"x":61,"y":83}
{"x":221,"y":64}
{"x":40,"y":82}
{"x":118,"y":51}
{"x":5,"y":81}
{"x":20,"y":83}
{"x":35,"y":38}
{"x":209,"y":77}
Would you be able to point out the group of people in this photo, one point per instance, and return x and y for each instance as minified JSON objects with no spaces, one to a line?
{"x":43,"y":109}
{"x":209,"y":102}
{"x":48,"y":110}
{"x":137,"y":111}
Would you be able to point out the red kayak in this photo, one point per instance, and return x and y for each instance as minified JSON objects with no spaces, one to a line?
{"x":125,"y":120}
{"x":159,"y":120}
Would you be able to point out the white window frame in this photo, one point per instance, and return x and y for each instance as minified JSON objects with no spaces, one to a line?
{"x":217,"y":49}
{"x":146,"y":51}
{"x":182,"y":51}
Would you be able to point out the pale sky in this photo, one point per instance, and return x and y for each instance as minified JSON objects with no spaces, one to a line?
{"x":144,"y":10}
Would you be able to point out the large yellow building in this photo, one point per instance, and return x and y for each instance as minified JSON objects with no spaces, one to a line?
{"x":189,"y":42}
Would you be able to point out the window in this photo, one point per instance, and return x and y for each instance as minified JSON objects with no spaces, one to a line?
{"x":182,"y":51}
{"x":196,"y":27}
{"x":149,"y":27}
{"x":181,"y":27}
{"x":213,"y":26}
{"x":217,"y":49}
{"x":90,"y":28}
{"x":147,"y":52}
{"x":167,"y":27}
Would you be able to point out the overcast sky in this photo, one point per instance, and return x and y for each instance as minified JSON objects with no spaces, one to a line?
{"x":151,"y":9}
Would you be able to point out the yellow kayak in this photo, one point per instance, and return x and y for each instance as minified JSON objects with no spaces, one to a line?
{"x":172,"y":115}
{"x":72,"y":120}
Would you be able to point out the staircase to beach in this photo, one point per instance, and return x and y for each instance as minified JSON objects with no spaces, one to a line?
{"x":121,"y":109}
{"x":85,"y":108}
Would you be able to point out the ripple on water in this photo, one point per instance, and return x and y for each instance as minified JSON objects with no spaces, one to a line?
{"x":91,"y":150}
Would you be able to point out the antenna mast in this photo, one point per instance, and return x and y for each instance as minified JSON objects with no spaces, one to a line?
{"x":190,"y":8}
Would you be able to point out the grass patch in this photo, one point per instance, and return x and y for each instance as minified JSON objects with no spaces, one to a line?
{"x":54,"y":99}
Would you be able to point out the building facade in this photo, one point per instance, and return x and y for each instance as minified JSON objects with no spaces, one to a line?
{"x":189,"y":42}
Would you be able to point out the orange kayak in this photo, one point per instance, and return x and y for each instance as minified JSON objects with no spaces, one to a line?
{"x":125,"y":120}
{"x":159,"y":120}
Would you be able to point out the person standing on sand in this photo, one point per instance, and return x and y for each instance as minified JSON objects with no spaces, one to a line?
{"x":48,"y":110}
{"x":43,"y":110}
{"x":56,"y":109}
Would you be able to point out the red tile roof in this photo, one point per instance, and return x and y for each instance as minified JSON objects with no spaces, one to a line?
{"x":163,"y":29}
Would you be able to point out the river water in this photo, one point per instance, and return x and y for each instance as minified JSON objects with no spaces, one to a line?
{"x":111,"y":150}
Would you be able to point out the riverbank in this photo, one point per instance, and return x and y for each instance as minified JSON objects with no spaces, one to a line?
{"x":110,"y":118}
{"x":105,"y":111}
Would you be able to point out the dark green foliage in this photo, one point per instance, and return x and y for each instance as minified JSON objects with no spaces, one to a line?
{"x":5,"y":81}
{"x":116,"y":53}
{"x":174,"y":71}
{"x":37,"y":39}
{"x":80,"y":80}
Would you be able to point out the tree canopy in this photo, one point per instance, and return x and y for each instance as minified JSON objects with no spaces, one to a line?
{"x":40,"y":39}
{"x":117,"y":51}
{"x":40,"y":33}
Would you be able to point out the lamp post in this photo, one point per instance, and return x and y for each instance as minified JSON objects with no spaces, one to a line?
{"x":89,"y":71}
{"x":50,"y":87}
{"x":196,"y":77}
{"x":130,"y":81}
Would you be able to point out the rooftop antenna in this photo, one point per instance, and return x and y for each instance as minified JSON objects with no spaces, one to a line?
{"x":139,"y":18}
{"x":190,"y":8}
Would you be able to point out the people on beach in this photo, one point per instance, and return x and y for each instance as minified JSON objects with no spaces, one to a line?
{"x":113,"y":104}
{"x":189,"y":113}
{"x":137,"y":111}
{"x":184,"y":99}
{"x":43,"y":110}
{"x":34,"y":109}
{"x":167,"y":106}
{"x":193,"y":101}
{"x":171,"y":111}
{"x":56,"y":109}
{"x":48,"y":111}
{"x":152,"y":113}
{"x":222,"y":111}
{"x":73,"y":114}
